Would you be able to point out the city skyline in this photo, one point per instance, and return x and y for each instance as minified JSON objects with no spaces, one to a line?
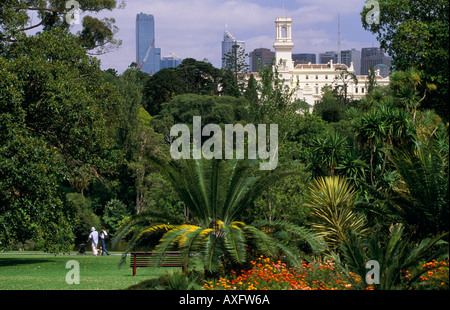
{"x":199,"y":33}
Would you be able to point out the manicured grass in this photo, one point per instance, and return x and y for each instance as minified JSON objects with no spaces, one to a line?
{"x":48,"y":272}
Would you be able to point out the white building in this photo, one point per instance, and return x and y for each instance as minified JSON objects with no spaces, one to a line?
{"x":309,"y":79}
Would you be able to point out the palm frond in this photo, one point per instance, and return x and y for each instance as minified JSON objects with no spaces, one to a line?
{"x":211,"y":254}
{"x":235,"y":243}
{"x":314,"y":240}
{"x":264,"y":242}
{"x":170,"y":239}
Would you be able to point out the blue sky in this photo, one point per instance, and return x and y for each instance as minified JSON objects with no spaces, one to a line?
{"x":195,"y":28}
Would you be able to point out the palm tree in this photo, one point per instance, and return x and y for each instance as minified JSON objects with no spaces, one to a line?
{"x":329,"y":151}
{"x":381,"y":129}
{"x":353,"y":166}
{"x":217,"y":193}
{"x":331,"y":200}
{"x":369,"y":132}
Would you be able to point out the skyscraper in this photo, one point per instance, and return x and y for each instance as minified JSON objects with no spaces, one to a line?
{"x":304,"y":58}
{"x":349,"y":56}
{"x":325,"y":58}
{"x":148,"y":57}
{"x":171,"y":61}
{"x":262,"y":56}
{"x":227,"y":46}
{"x":374,"y":56}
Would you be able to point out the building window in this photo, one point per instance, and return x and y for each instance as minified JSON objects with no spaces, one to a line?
{"x":362,"y":90}
{"x":317,"y":90}
{"x":356,"y":90}
{"x":317,"y":77}
{"x":326,"y":77}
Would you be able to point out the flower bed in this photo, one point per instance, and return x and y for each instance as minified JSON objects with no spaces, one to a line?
{"x":436,"y":276}
{"x":269,"y":275}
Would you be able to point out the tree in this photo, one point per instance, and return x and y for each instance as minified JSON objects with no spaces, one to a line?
{"x":213,"y":110}
{"x":236,"y":64}
{"x":405,"y":86}
{"x":200,"y":77}
{"x":55,"y":118}
{"x":251,"y":92}
{"x":416,"y":35}
{"x":342,"y":81}
{"x":190,"y":77}
{"x":331,"y":107}
{"x":162,"y":87}
{"x":372,"y":82}
{"x":96,"y":35}
{"x":329,"y":151}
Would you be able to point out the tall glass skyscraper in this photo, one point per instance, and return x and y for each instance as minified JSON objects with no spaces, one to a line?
{"x":147,"y":55}
{"x":227,"y":46}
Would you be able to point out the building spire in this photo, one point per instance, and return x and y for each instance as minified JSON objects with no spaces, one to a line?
{"x":339,"y":39}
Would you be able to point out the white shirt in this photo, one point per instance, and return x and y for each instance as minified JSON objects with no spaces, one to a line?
{"x":94,"y":236}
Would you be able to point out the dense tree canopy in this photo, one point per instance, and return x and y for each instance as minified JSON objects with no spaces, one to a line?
{"x":56,"y":127}
{"x":416,"y":34}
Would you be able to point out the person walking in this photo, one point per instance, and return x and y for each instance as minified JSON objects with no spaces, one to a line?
{"x":93,"y":237}
{"x":103,"y":237}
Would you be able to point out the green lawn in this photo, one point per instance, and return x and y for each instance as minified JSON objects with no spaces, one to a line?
{"x":48,"y":272}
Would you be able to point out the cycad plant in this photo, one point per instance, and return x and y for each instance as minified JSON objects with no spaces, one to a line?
{"x":331,"y":201}
{"x":217,"y":193}
{"x":400,"y":260}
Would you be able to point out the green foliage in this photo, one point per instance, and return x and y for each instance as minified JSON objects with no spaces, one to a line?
{"x":327,"y":152}
{"x":190,"y":77}
{"x":96,"y":35}
{"x":180,"y":281}
{"x":114,"y":212}
{"x":85,"y":217}
{"x":422,"y":198}
{"x":416,"y":35}
{"x":213,"y":110}
{"x":333,"y":214}
{"x":330,"y":108}
{"x":394,"y":253}
{"x":54,"y":128}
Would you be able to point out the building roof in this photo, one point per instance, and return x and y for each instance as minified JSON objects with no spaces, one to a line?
{"x":310,"y":66}
{"x":172,"y":55}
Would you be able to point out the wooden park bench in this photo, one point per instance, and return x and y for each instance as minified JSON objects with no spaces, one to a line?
{"x":154,"y":259}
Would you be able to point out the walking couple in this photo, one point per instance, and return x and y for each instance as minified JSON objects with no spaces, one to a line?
{"x":93,"y":237}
